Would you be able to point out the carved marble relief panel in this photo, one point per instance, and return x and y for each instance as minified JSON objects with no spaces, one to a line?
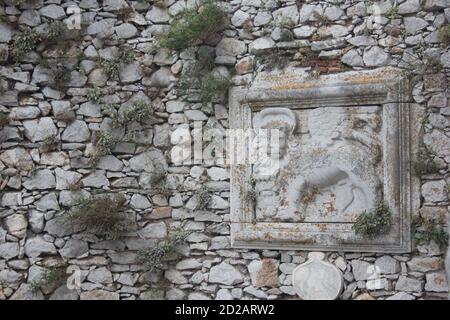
{"x":344,"y":145}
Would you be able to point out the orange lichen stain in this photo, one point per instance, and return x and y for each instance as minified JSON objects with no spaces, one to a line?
{"x":293,"y":86}
{"x":322,"y":227}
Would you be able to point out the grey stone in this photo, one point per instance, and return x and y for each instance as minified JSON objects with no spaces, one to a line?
{"x":262,"y":19}
{"x":162,"y":78}
{"x":47,"y":202}
{"x":18,"y":158}
{"x":230,"y":47}
{"x":52,"y":11}
{"x":188,"y":264}
{"x":110,"y":162}
{"x":154,"y":231}
{"x":158,"y":15}
{"x":36,"y":246}
{"x":139,"y":202}
{"x":96,"y":179}
{"x":66,"y":179}
{"x":239,"y":18}
{"x":76,"y":131}
{"x":387,"y":265}
{"x":414,"y":24}
{"x":22,"y":113}
{"x":224,"y":294}
{"x":9,"y":250}
{"x":26,"y":292}
{"x":437,"y":142}
{"x":175,"y":276}
{"x":361,"y":269}
{"x":64,"y":293}
{"x":409,"y":6}
{"x":130,"y":73}
{"x":224,"y":273}
{"x":425,"y":264}
{"x":287,"y":15}
{"x":6,"y":32}
{"x":41,"y":180}
{"x":36,"y":221}
{"x":261,"y":44}
{"x":74,"y":248}
{"x":102,"y":28}
{"x":408,"y":284}
{"x":16,"y":224}
{"x":436,"y":282}
{"x":30,"y":18}
{"x":362,"y":41}
{"x":126,"y":31}
{"x":99,"y":295}
{"x":353,"y":58}
{"x":401,"y":296}
{"x":100,"y":275}
{"x":375,"y":57}
{"x":434,"y":191}
{"x":39,"y":129}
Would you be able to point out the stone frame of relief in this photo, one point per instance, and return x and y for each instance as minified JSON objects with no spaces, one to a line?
{"x":291,"y":90}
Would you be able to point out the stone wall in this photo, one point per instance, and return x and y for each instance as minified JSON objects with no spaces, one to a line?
{"x":42,"y":179}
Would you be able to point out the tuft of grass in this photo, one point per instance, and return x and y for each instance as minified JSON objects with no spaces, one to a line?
{"x":374,"y":222}
{"x":203,"y":197}
{"x":154,"y":258}
{"x":112,"y":66}
{"x":426,"y":230}
{"x":198,"y":81}
{"x":444,"y":34}
{"x":50,"y":277}
{"x":55,"y":32}
{"x":392,"y":12}
{"x":95,"y":95}
{"x":193,"y":26}
{"x":4,"y":119}
{"x":49,"y":143}
{"x":103,"y":144}
{"x":104,"y":216}
{"x":23,"y":42}
{"x":140,"y":112}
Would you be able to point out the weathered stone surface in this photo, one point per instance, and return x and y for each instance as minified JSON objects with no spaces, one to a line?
{"x":436,"y":282}
{"x":225,"y":274}
{"x":362,"y":270}
{"x":36,"y":246}
{"x":9,"y":250}
{"x":39,"y":129}
{"x":434,"y":191}
{"x":41,"y":180}
{"x":17,"y":157}
{"x":425,"y":264}
{"x":375,"y":57}
{"x":401,"y":296}
{"x":77,"y":131}
{"x":26,"y":292}
{"x":264,"y":273}
{"x":387,"y":265}
{"x":409,"y":284}
{"x":16,"y":225}
{"x":74,"y":248}
{"x":99,"y":295}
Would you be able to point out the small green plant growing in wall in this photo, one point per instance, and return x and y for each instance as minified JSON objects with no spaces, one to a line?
{"x":426,"y":230}
{"x":444,"y":34}
{"x":95,"y":95}
{"x":4,"y":119}
{"x":155,"y":257}
{"x":102,"y":215}
{"x":103,"y":144}
{"x":192,"y":26}
{"x":202,"y":197}
{"x":373,"y":222}
{"x":50,"y":277}
{"x":392,"y":12}
{"x":23,"y":42}
{"x":198,"y":81}
{"x":112,"y":66}
{"x":140,"y":111}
